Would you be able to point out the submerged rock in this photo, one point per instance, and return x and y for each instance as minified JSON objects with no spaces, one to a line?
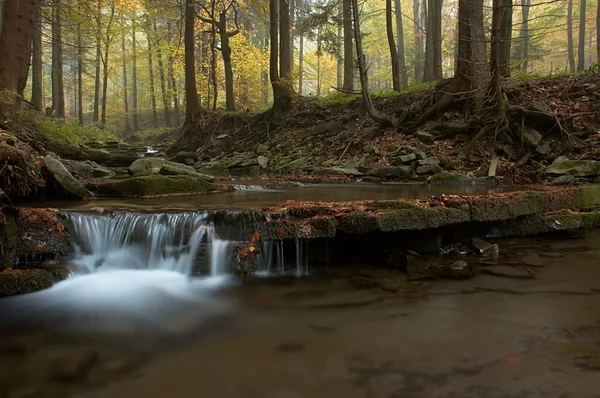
{"x":458,"y":270}
{"x":154,"y":185}
{"x":578,"y":168}
{"x":65,"y":179}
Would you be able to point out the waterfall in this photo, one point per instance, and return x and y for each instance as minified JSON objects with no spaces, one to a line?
{"x":168,"y":242}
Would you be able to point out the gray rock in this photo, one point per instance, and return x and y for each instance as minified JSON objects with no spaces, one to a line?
{"x":147,"y":166}
{"x":425,"y":137}
{"x":406,"y":150}
{"x":429,"y":169}
{"x":391,"y":172}
{"x":543,"y":148}
{"x":560,"y":159}
{"x":262,"y":149}
{"x":458,"y":270}
{"x":65,"y":179}
{"x":173,"y":168}
{"x":101,"y":171}
{"x":540,"y":106}
{"x":263,"y":161}
{"x":405,"y":159}
{"x":564,"y":180}
{"x":337,"y":170}
{"x":429,"y":161}
{"x":294,"y":164}
{"x":79,"y":169}
{"x":578,"y":168}
{"x":328,"y":129}
{"x":493,"y":167}
{"x":529,"y":135}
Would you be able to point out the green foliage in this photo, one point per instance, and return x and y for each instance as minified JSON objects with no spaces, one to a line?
{"x":69,"y":131}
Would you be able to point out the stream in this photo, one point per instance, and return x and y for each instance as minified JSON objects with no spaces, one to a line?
{"x":132,"y":322}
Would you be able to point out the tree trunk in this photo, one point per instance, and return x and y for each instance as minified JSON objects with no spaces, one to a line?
{"x":161,"y":74}
{"x":213,"y":63}
{"x":105,"y":64}
{"x":264,"y":74}
{"x":340,"y":40}
{"x":79,"y":75}
{"x":437,"y":41}
{"x":506,"y":37}
{"x":523,"y":49}
{"x":598,"y":33}
{"x":226,"y":54}
{"x":376,"y":115}
{"x":348,"y":51}
{"x":58,"y":87}
{"x":402,"y":76}
{"x":496,"y":55}
{"x":125,"y":91}
{"x":570,"y":47}
{"x":152,"y":88}
{"x":300,"y":6}
{"x":581,"y":49}
{"x":292,"y":31}
{"x":192,"y":102}
{"x":285,"y":62}
{"x":428,"y":66}
{"x":98,"y":61}
{"x":15,"y":53}
{"x":134,"y":88}
{"x":37,"y":67}
{"x":282,"y":96}
{"x":392,"y":45}
{"x":172,"y":79}
{"x":1,"y":15}
{"x":418,"y":33}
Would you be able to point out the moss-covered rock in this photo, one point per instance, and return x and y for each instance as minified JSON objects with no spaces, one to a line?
{"x":155,"y":185}
{"x":578,"y":168}
{"x":449,"y":178}
{"x":419,"y":218}
{"x":14,"y":282}
{"x":66,"y":179}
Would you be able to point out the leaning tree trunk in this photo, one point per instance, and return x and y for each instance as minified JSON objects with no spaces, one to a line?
{"x":376,"y":115}
{"x":36,"y":65}
{"x":348,"y":51}
{"x":392,"y":45}
{"x":570,"y":46}
{"x":505,"y":38}
{"x":192,"y":103}
{"x":581,"y":47}
{"x":15,"y":50}
{"x":58,"y":86}
{"x":285,"y":61}
{"x":402,"y":76}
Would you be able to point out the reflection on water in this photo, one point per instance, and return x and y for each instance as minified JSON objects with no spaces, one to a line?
{"x":353,"y":332}
{"x":253,"y":198}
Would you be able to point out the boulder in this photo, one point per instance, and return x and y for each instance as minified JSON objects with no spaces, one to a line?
{"x":263,"y":161}
{"x":429,"y":169}
{"x":154,"y":185}
{"x":79,"y":169}
{"x":65,"y":179}
{"x":543,"y":147}
{"x":294,"y":164}
{"x":529,"y":135}
{"x":154,"y":166}
{"x":146,"y":166}
{"x":391,"y":172}
{"x":560,"y":159}
{"x":429,"y":161}
{"x":406,"y":150}
{"x":349,"y":171}
{"x":405,"y":159}
{"x":183,"y":156}
{"x":328,"y":129}
{"x":262,"y":149}
{"x":24,"y":281}
{"x":578,"y":168}
{"x":449,"y":178}
{"x":564,"y":180}
{"x":101,"y":171}
{"x":425,"y":137}
{"x":458,"y":270}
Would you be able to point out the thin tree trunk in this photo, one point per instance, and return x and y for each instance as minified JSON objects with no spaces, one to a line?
{"x":300,"y":6}
{"x":418,"y":33}
{"x":393,"y":50}
{"x":96,"y":116}
{"x":192,"y":102}
{"x":348,"y":51}
{"x":340,"y":40}
{"x":105,"y":65}
{"x":581,"y":49}
{"x":506,"y":37}
{"x":264,"y":81}
{"x":152,"y":88}
{"x":37,"y":66}
{"x":58,"y":89}
{"x":376,"y":115}
{"x":523,"y":49}
{"x":226,"y":54}
{"x":213,"y":61}
{"x":134,"y":88}
{"x":402,"y":76}
{"x":292,"y":32}
{"x":285,"y":62}
{"x":161,"y":74}
{"x":79,"y":75}
{"x":125,"y":91}
{"x":428,"y":66}
{"x":437,"y":41}
{"x":598,"y":33}
{"x":172,"y":79}
{"x":570,"y":46}
{"x":496,"y":55}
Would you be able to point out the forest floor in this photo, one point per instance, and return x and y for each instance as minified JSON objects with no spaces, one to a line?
{"x":338,"y":132}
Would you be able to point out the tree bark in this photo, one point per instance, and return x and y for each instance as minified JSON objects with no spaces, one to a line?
{"x":506,"y":37}
{"x":134,"y":88}
{"x":172,"y":79}
{"x":292,"y":31}
{"x":282,"y":96}
{"x":402,"y":76}
{"x":152,"y":88}
{"x":98,"y":16}
{"x":161,"y":74}
{"x":496,"y":56}
{"x":376,"y":115}
{"x":598,"y":33}
{"x":108,"y":39}
{"x":348,"y":51}
{"x":418,"y":33}
{"x":37,"y":66}
{"x":570,"y":46}
{"x":58,"y":89}
{"x":581,"y":49}
{"x":264,"y":75}
{"x":79,"y":75}
{"x":523,"y":49}
{"x":213,"y":60}
{"x":125,"y":90}
{"x":226,"y":54}
{"x":437,"y":41}
{"x":340,"y":41}
{"x":300,"y":6}
{"x":192,"y":102}
{"x":15,"y":53}
{"x":428,"y":65}
{"x":392,"y":45}
{"x":285,"y":62}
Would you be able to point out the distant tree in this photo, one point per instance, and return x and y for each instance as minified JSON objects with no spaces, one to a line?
{"x":581,"y":47}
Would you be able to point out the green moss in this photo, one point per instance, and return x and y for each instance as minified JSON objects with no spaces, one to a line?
{"x":449,"y":178}
{"x":71,"y":132}
{"x":394,"y":204}
{"x":356,"y":222}
{"x":322,"y":227}
{"x":421,"y":218}
{"x":157,"y":185}
{"x":12,"y":283}
{"x":8,"y":237}
{"x":590,"y":196}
